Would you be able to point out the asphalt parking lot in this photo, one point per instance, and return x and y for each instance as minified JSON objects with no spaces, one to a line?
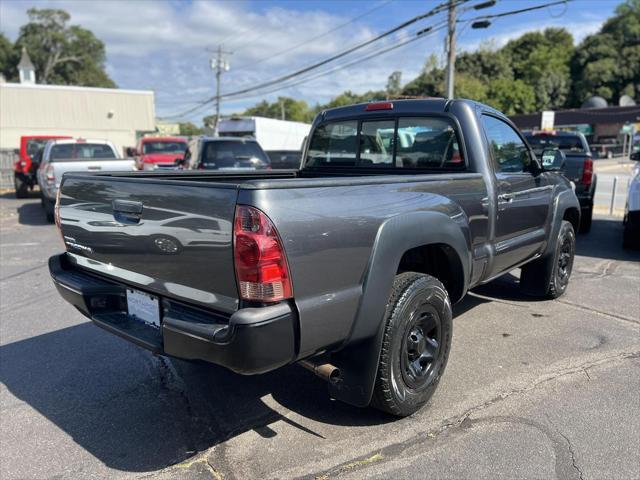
{"x":533,"y":389}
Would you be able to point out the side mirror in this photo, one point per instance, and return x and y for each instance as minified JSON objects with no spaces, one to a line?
{"x":635,"y":156}
{"x":132,"y":152}
{"x":180,"y":162}
{"x":16,"y":151}
{"x":553,"y":160}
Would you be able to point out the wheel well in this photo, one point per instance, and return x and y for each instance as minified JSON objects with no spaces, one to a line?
{"x":438,"y":260}
{"x":572,"y":215}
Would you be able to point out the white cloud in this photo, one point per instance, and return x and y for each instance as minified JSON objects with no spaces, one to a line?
{"x":161,"y":46}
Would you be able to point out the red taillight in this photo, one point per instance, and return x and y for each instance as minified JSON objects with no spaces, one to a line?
{"x":261,"y":266}
{"x":371,"y":107}
{"x":56,"y":213}
{"x":587,"y":173}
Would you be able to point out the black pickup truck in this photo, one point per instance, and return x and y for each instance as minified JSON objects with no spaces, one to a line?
{"x":577,"y":167}
{"x":348,"y":266}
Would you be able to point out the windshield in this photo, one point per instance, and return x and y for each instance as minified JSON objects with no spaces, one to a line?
{"x":81,"y":151}
{"x":229,"y":154}
{"x":34,"y":146}
{"x":164,"y":147}
{"x":407,"y":142}
{"x":567,"y":143}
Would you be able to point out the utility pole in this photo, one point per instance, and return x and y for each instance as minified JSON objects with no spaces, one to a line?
{"x":451,"y":49}
{"x":219,"y":65}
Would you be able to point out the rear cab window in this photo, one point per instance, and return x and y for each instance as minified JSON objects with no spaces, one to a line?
{"x":81,"y":151}
{"x":409,"y":143}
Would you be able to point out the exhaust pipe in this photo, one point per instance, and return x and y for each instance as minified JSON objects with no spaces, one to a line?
{"x":326,"y":371}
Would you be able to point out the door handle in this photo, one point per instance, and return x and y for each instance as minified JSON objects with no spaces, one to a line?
{"x":506,"y":197}
{"x":126,"y":211}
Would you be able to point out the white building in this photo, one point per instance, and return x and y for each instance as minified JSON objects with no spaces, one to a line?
{"x":27,"y":108}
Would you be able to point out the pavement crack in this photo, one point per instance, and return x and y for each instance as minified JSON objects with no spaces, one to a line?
{"x":464,"y":419}
{"x":573,"y":455}
{"x":598,"y":312}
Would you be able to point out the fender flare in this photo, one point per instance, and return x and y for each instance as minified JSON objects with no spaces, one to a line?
{"x":564,"y":200}
{"x":359,"y":358}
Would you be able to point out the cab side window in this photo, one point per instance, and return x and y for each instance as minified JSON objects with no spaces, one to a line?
{"x":510,"y":153}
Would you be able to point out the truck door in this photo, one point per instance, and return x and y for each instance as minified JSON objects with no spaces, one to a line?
{"x":523,"y":199}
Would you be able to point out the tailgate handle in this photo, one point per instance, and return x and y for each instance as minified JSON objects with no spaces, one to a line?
{"x":127,"y":211}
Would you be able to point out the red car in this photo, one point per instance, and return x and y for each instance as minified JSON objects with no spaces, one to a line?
{"x":153,"y":152}
{"x":24,"y":170}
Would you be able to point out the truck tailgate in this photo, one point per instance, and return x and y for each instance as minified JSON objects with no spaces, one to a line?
{"x":169,"y":238}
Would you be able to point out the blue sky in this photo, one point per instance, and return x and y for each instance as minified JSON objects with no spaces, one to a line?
{"x":161,"y":45}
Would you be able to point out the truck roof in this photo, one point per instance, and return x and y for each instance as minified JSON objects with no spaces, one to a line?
{"x":163,"y":139}
{"x":404,"y":107}
{"x":61,"y":141}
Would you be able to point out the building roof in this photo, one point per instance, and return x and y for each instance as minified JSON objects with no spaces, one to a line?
{"x":25,"y":61}
{"x":41,"y":86}
{"x":578,"y":116}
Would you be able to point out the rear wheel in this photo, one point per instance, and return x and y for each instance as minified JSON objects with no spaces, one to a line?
{"x":586,"y":220}
{"x":416,"y":344}
{"x":22,"y":189}
{"x":48,"y":207}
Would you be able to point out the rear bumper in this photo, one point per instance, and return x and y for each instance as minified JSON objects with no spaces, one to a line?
{"x":252,"y":340}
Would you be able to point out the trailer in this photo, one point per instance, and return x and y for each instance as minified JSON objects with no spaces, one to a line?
{"x":271,"y":134}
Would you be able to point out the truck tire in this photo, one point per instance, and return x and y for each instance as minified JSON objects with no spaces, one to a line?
{"x":548,"y":276}
{"x":48,"y":207}
{"x":586,"y":220}
{"x":22,"y":189}
{"x":416,"y":344}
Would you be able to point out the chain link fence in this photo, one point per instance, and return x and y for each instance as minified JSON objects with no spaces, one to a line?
{"x":7,"y":159}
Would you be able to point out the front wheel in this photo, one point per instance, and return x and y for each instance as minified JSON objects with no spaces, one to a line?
{"x":549,"y":276}
{"x":416,"y":344}
{"x":49,"y":207}
{"x":22,"y":189}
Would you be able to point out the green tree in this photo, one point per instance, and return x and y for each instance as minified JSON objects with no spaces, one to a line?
{"x":542,"y":60}
{"x":485,"y":64}
{"x":292,"y":109}
{"x":63,"y":55}
{"x":394,"y":84}
{"x":430,"y":83}
{"x":608,"y":62}
{"x":511,"y":96}
{"x":188,"y":129}
{"x":8,"y":61}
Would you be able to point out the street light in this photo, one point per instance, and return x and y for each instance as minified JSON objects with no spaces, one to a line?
{"x":481,"y":24}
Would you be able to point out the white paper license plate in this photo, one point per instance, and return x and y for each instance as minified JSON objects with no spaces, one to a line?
{"x":143,"y":307}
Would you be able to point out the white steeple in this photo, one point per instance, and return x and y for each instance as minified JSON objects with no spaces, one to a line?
{"x":26,"y":69}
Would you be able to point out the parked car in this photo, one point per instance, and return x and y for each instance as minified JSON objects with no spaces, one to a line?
{"x":74,"y":155}
{"x":161,"y":152}
{"x":285,"y":159}
{"x":349,"y":265}
{"x":25,"y":168}
{"x":578,"y":166}
{"x":631,"y":235}
{"x":225,"y":154}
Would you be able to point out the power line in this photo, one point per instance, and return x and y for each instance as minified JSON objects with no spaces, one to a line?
{"x":439,"y":8}
{"x":313,"y":39}
{"x":395,"y":29}
{"x":424,"y":33}
{"x":522,"y":10}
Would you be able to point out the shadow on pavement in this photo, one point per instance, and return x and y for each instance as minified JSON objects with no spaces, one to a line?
{"x":32,"y":213}
{"x":605,"y":241}
{"x":131,"y":411}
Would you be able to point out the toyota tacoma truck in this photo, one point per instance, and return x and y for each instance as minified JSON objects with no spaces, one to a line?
{"x":73,"y":155}
{"x":348,"y":266}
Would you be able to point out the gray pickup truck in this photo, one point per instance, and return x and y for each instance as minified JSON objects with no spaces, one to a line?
{"x":348,"y":266}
